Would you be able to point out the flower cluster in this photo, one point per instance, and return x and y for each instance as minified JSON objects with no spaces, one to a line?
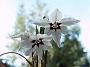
{"x":54,"y":26}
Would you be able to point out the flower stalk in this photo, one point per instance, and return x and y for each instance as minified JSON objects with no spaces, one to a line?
{"x":32,"y":59}
{"x":45,"y":60}
{"x":19,"y":55}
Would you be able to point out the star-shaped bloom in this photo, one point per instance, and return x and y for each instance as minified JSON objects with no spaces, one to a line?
{"x":55,"y":25}
{"x":35,"y":43}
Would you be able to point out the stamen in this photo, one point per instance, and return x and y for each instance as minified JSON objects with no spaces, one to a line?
{"x":55,"y":26}
{"x":37,"y":42}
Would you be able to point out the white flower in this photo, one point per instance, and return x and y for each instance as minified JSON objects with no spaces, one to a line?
{"x":39,"y":43}
{"x":35,"y":43}
{"x":24,"y":37}
{"x":55,"y":25}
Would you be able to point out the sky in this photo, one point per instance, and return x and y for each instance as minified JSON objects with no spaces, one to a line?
{"x":7,"y":19}
{"x":78,"y":9}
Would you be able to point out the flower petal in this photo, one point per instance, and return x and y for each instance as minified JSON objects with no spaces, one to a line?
{"x":41,"y":22}
{"x":55,"y":16}
{"x":47,"y":42}
{"x":26,"y":43}
{"x":64,"y":30}
{"x":39,"y":52}
{"x":28,"y":52}
{"x":41,"y":35}
{"x":69,"y":21}
{"x":33,"y":37}
{"x":48,"y":37}
{"x":17,"y":35}
{"x":44,"y":36}
{"x":47,"y":31}
{"x":56,"y":37}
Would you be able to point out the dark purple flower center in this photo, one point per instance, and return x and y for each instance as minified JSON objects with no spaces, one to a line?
{"x":55,"y":26}
{"x":37,"y":42}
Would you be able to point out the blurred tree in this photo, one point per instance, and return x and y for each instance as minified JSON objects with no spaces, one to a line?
{"x":86,"y":64}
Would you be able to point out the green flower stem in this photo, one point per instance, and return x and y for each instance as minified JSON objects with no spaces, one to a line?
{"x":45,"y":59}
{"x":36,"y":60}
{"x":42,"y":30}
{"x":19,"y":55}
{"x":32,"y":59}
{"x":37,"y":30}
{"x":42,"y":61}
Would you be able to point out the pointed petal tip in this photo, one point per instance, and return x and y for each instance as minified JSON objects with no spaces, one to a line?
{"x":77,"y":21}
{"x":57,"y":10}
{"x":15,"y":36}
{"x":58,"y":45}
